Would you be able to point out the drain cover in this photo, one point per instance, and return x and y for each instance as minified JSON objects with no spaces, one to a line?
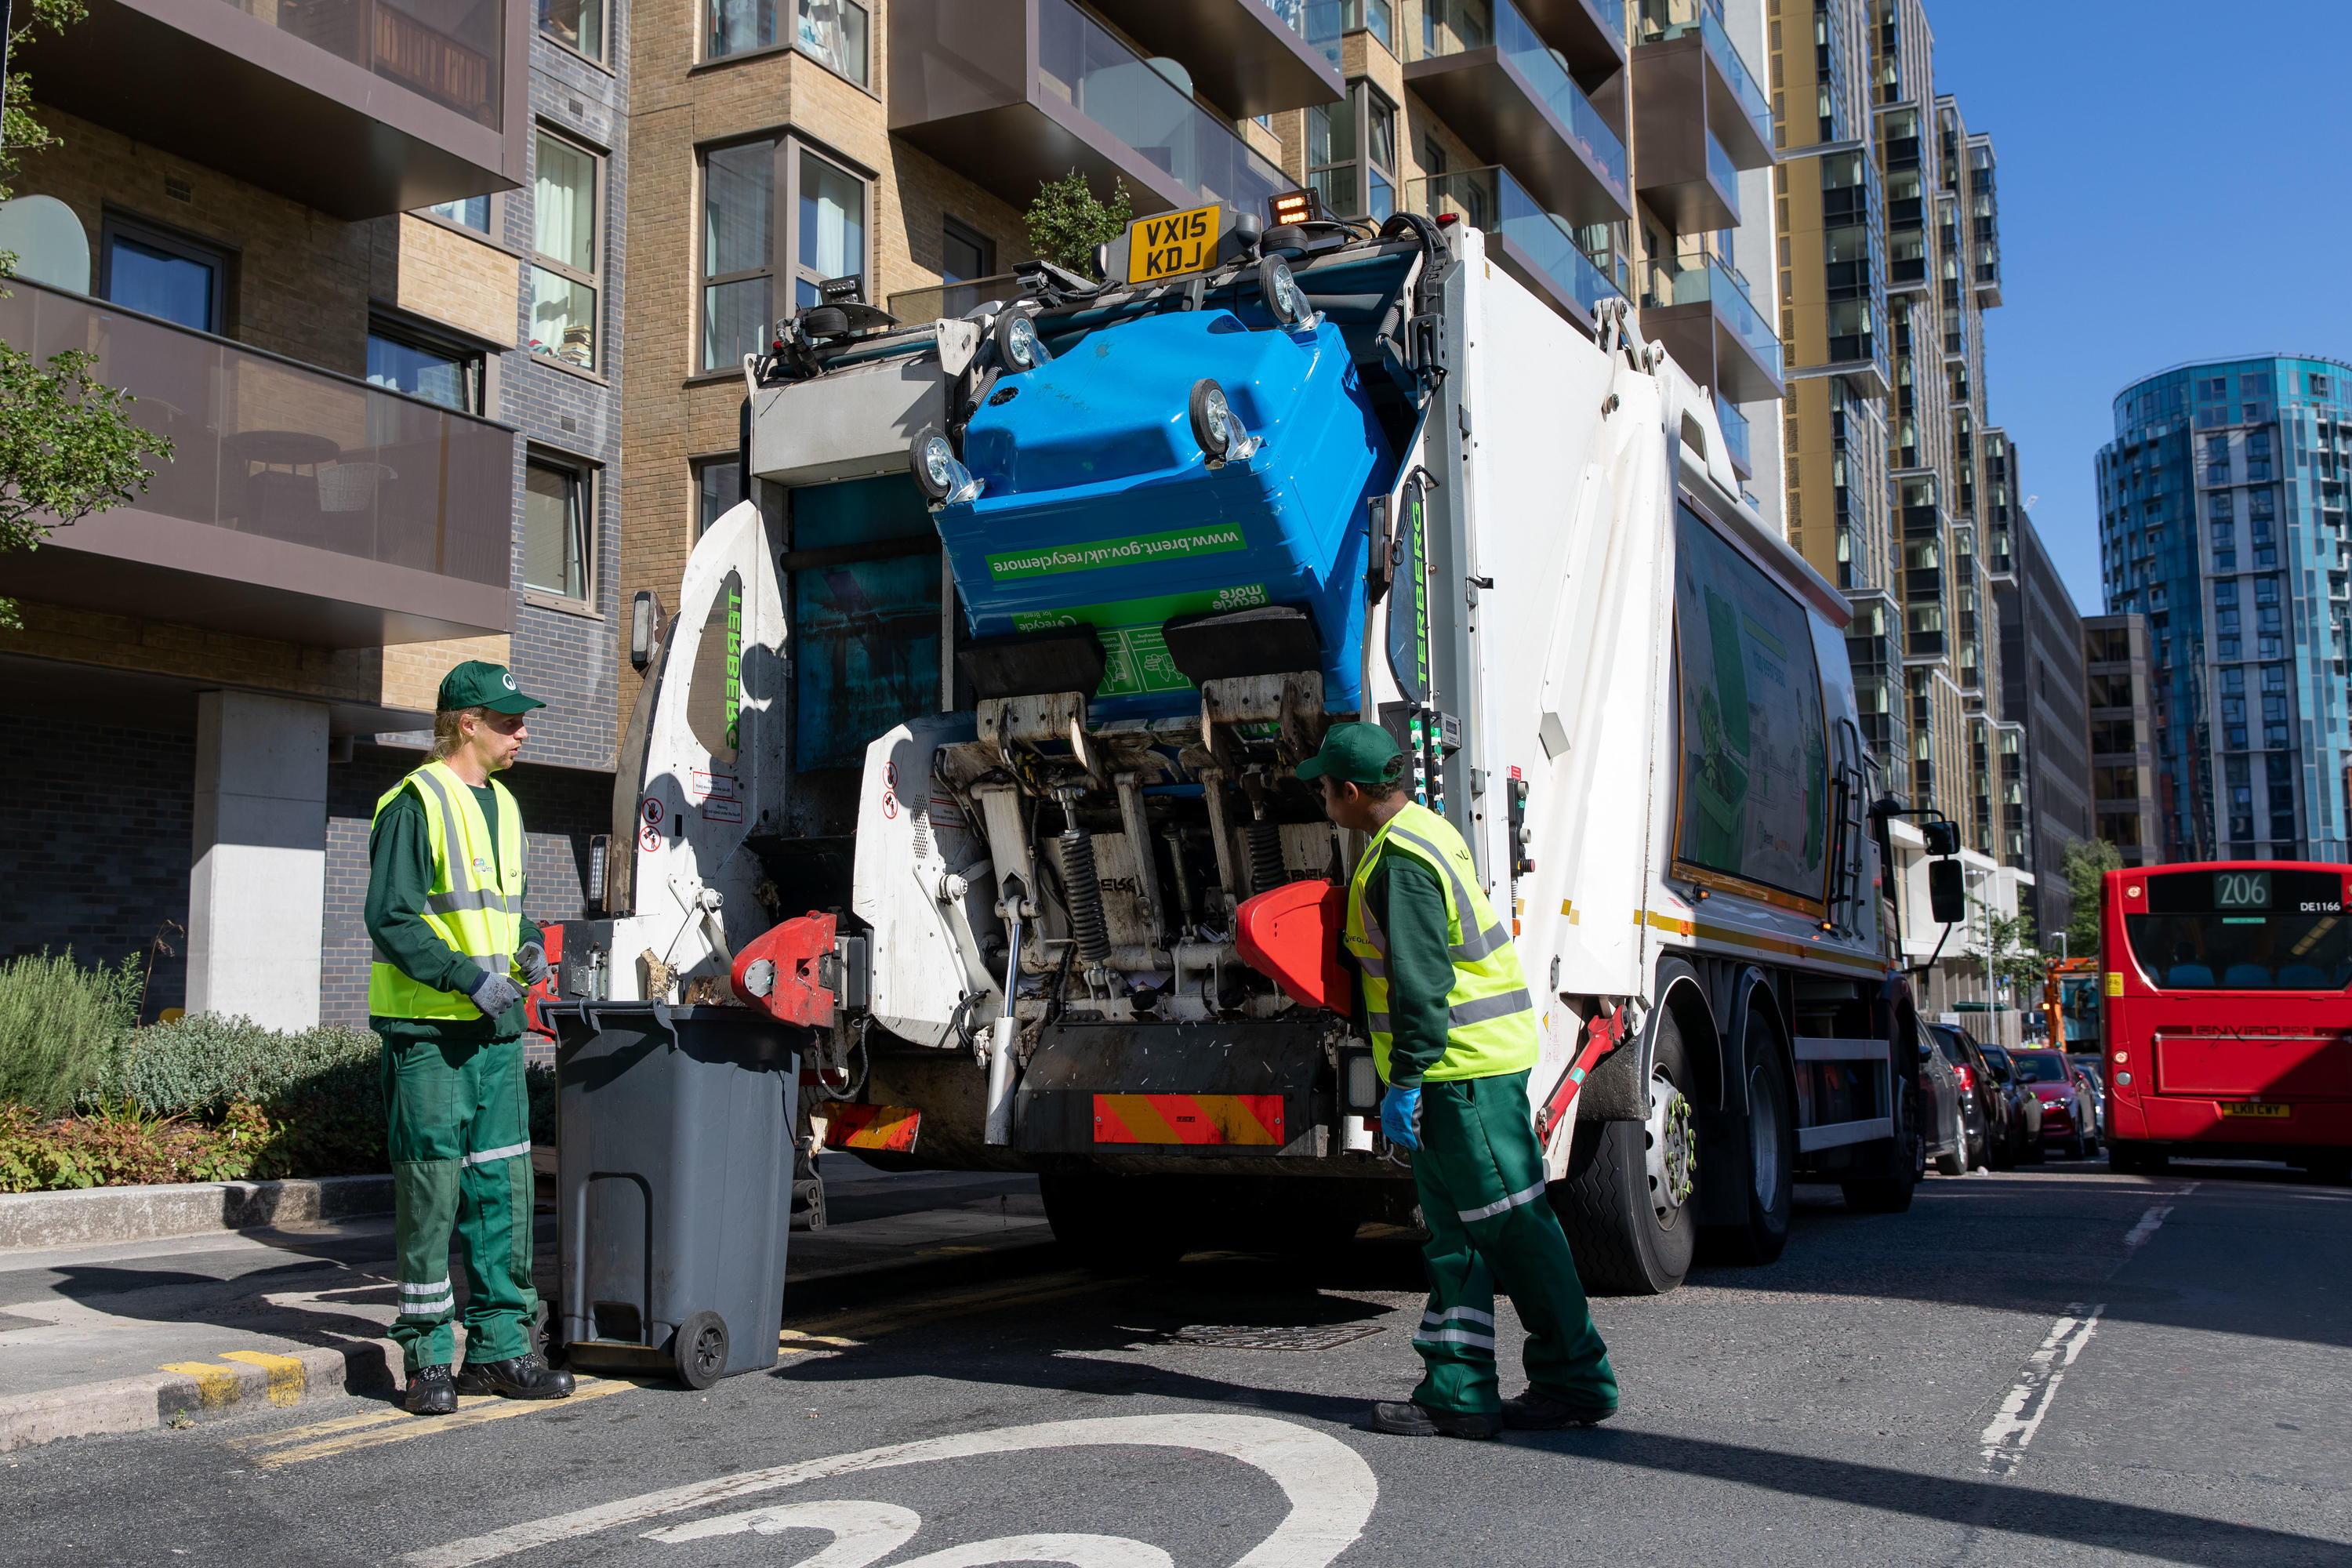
{"x":1245,"y":1337}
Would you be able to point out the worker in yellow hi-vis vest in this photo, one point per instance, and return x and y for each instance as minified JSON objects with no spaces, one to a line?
{"x":1453,"y":1030}
{"x":453,"y":957}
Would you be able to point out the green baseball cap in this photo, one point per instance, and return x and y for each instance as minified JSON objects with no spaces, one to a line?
{"x":474,"y":684}
{"x":1355,"y":754}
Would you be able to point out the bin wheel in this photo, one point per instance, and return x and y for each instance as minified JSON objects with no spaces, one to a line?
{"x":701,"y":1349}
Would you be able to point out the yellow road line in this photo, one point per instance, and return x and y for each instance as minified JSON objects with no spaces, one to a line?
{"x":217,"y":1385}
{"x":326,"y":1439}
{"x":286,"y":1379}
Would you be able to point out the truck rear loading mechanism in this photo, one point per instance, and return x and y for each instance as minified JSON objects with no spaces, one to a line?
{"x":973,"y":732}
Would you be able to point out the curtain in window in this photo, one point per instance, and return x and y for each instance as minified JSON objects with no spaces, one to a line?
{"x":552,"y":544}
{"x":565,"y":204}
{"x":832,"y":223}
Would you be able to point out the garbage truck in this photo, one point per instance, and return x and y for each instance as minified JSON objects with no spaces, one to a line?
{"x":968,"y":745}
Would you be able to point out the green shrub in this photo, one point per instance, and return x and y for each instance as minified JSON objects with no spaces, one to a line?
{"x":199,"y":1066}
{"x":120,"y":1145}
{"x":61,"y":1027}
{"x":1066,"y":221}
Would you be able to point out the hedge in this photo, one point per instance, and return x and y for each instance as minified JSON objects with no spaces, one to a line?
{"x":61,"y":1025}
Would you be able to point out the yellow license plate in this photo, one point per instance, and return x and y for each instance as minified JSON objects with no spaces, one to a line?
{"x":2271,"y":1112}
{"x":1174,"y":244}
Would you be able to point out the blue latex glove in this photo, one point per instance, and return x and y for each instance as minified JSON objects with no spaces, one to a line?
{"x":1401,"y":1116}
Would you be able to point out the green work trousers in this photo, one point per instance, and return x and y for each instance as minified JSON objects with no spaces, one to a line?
{"x":1481,"y":1177}
{"x":460,"y":1135}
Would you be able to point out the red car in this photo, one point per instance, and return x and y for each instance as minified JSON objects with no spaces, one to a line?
{"x":2070,"y":1117}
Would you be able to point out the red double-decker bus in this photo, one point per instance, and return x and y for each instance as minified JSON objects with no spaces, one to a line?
{"x":2229,"y":1029}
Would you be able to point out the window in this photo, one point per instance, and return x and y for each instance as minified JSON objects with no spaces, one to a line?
{"x":831,"y":32}
{"x":965,"y":254}
{"x":556,"y":527}
{"x":819,"y":224}
{"x":576,"y":23}
{"x":1375,"y":17}
{"x":1352,"y":155}
{"x":718,"y":487}
{"x":422,"y":363}
{"x":564,"y":250}
{"x":159,"y":273}
{"x":467,"y":212}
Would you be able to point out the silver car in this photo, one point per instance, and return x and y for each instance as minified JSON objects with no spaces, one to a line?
{"x":1943,"y":1123}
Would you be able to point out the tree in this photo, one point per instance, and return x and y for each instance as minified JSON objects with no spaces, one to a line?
{"x":68,"y":447}
{"x":2012,"y":952}
{"x":1066,"y":222}
{"x":2087,"y":861}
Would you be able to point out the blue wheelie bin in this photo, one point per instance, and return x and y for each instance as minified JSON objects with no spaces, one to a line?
{"x":674,"y":1147}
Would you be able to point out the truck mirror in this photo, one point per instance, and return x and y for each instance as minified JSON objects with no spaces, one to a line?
{"x":1948,"y":892}
{"x":1943,"y":838}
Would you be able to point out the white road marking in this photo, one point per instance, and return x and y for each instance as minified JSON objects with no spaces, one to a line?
{"x":1075,"y":1550}
{"x":2153,"y":1220}
{"x":2021,"y":1410}
{"x":863,"y":1532}
{"x":1330,"y":1489}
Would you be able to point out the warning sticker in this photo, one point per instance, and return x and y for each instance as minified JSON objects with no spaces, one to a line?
{"x":722,"y":811}
{"x":1139,"y":658}
{"x":713,"y":786}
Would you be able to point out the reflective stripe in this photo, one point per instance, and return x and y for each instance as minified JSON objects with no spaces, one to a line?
{"x":1378,"y":1023}
{"x":447,"y":1303}
{"x":467,"y":899}
{"x":1374,"y":968}
{"x":492,"y":1156}
{"x":1478,"y":1009}
{"x":1454,"y":1337}
{"x":1467,"y":1314}
{"x":448,"y":807}
{"x":437,"y":1288}
{"x":1473,"y":945}
{"x":1502,"y":1206}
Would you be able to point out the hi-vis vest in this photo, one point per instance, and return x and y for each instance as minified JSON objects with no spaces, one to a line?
{"x":1493,"y":1017}
{"x":476,"y":901}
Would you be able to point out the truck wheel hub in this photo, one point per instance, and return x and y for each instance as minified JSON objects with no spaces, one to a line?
{"x":1671,"y":1151}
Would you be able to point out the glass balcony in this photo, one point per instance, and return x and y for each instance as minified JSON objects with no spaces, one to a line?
{"x":1012,"y":105}
{"x":1111,"y":85}
{"x":1735,"y":437}
{"x":1726,"y":174}
{"x":1499,"y":85}
{"x":1744,"y":360}
{"x":403,"y":508}
{"x":1536,"y":247}
{"x":1246,"y":57}
{"x":450,"y":54}
{"x":1738,"y":107}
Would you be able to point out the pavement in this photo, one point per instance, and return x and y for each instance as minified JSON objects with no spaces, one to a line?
{"x":2058,"y":1364}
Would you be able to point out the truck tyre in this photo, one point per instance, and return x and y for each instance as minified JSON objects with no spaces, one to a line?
{"x":1763,"y":1149}
{"x":1116,"y":1225}
{"x":2073,"y":1148}
{"x":1892,"y":1195}
{"x":1625,"y":1204}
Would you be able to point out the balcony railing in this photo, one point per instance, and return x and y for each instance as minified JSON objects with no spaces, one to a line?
{"x":1663,"y":20}
{"x":1688,"y":280}
{"x":1102,"y":79}
{"x":1516,"y":40}
{"x":1489,"y":199}
{"x":1734,"y":434}
{"x":1726,"y":174}
{"x":450,"y":54}
{"x":271,"y":448}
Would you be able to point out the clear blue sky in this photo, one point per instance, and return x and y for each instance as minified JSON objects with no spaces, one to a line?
{"x":2172,"y":187}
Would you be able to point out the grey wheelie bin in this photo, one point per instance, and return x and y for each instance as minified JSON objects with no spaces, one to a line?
{"x":675,"y":1139}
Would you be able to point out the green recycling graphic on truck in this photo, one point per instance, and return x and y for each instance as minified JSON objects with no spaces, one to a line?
{"x":1138,"y":655}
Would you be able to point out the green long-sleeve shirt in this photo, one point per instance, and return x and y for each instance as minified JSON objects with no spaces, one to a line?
{"x":1402,"y":894}
{"x":400,"y":877}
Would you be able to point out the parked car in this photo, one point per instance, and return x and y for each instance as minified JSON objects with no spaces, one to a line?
{"x":1993,"y":1118}
{"x":2069,"y":1117}
{"x":2094,"y":1068}
{"x":1943,"y":1125}
{"x":2025,"y":1106}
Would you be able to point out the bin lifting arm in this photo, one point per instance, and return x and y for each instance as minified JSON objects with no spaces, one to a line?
{"x":777,"y":971}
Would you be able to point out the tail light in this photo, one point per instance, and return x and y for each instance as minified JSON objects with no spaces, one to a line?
{"x":1967,"y":1077}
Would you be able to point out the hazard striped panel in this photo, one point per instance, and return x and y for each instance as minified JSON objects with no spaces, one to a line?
{"x":888,"y":1127}
{"x":1189,"y":1119}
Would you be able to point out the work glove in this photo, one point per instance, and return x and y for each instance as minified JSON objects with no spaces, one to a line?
{"x":1401,"y":1116}
{"x":494,"y":993}
{"x":531,"y":959}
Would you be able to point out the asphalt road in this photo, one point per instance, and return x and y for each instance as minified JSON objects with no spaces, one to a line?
{"x":2052,"y":1365}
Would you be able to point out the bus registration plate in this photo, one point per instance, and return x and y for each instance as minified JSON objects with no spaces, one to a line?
{"x":2270,"y":1112}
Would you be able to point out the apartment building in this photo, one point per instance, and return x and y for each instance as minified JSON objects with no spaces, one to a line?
{"x":2120,"y":702}
{"x":362,"y":266}
{"x":2223,"y":521}
{"x":2043,"y":698}
{"x":1898,"y":488}
{"x":1609,"y":148}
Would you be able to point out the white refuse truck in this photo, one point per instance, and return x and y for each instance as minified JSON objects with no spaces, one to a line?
{"x":967,"y":737}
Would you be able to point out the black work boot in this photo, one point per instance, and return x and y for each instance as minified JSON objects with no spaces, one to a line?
{"x":430,"y":1392}
{"x":518,"y":1378}
{"x":1410,"y":1420}
{"x":1535,"y":1411}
